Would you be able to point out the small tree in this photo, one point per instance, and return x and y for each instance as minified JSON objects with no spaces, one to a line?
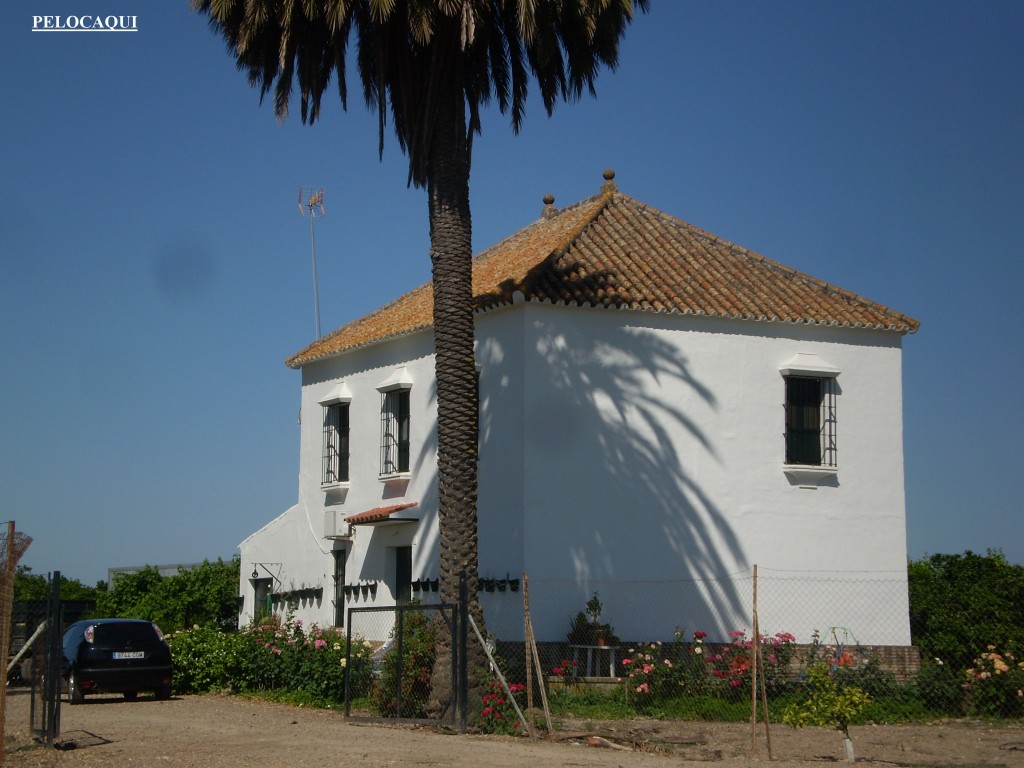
{"x":827,"y":705}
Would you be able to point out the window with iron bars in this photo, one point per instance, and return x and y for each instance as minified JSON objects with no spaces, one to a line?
{"x":335,"y":455}
{"x":394,"y":432}
{"x":811,"y":421}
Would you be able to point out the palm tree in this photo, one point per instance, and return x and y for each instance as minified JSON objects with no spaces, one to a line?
{"x":432,"y":64}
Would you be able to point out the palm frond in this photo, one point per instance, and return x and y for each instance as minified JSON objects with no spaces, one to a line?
{"x":414,"y":55}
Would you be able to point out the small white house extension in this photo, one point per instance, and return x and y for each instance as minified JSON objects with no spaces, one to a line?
{"x":659,"y":410}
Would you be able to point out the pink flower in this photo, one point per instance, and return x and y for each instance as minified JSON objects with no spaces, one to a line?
{"x":320,"y":644}
{"x":643,"y":688}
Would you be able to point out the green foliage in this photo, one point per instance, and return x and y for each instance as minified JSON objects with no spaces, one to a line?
{"x":418,"y":645}
{"x":733,"y":665}
{"x":657,"y":673}
{"x":590,"y":703}
{"x":30,"y":586}
{"x":303,"y":666}
{"x":207,"y":659}
{"x":871,"y":678}
{"x":939,"y":689}
{"x":962,"y":603}
{"x":827,"y":703}
{"x":587,"y":628}
{"x":497,"y":714}
{"x":207,"y":594}
{"x":995,"y":684}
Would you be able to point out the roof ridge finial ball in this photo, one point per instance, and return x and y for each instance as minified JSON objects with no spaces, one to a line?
{"x":549,"y":207}
{"x":609,"y":181}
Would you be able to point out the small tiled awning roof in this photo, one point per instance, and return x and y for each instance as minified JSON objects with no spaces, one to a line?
{"x":381,"y":515}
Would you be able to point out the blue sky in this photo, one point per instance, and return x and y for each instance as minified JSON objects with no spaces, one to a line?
{"x":155,"y":271}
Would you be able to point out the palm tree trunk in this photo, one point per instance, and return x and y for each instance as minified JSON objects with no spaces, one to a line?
{"x":451,"y":253}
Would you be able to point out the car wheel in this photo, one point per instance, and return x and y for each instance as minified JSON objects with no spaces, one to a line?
{"x":75,"y":695}
{"x":163,"y":692}
{"x":131,"y":695}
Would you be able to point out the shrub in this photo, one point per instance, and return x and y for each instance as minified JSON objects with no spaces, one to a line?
{"x":650,"y":676}
{"x":960,"y":603}
{"x":939,"y":689}
{"x":733,"y":664}
{"x":497,"y":714}
{"x":407,"y":676}
{"x":206,"y":659}
{"x":995,"y":684}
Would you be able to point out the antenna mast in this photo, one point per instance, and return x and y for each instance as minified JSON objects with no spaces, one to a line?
{"x":309,"y":201}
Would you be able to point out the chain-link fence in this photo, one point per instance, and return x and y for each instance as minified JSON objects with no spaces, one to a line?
{"x":12,"y":546}
{"x":390,"y":660}
{"x":687,"y":646}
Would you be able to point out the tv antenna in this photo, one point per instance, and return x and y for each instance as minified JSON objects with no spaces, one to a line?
{"x":310,"y":202}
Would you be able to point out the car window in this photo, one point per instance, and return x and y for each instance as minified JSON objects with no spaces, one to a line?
{"x":119,"y":634}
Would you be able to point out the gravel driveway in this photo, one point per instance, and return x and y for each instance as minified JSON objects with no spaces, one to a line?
{"x":212,"y":731}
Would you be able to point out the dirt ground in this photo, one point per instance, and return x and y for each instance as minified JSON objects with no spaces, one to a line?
{"x":212,"y":731}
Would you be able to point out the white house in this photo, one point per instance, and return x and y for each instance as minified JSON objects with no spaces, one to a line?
{"x":660,"y":410}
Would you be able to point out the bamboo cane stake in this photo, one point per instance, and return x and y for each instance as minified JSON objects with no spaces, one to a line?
{"x":540,"y":672}
{"x":753,"y":670}
{"x":529,"y":657}
{"x":757,"y":670}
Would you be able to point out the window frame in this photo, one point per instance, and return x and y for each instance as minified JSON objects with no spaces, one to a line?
{"x":810,"y":421}
{"x":809,"y":366}
{"x":336,"y":446}
{"x":395,"y":432}
{"x":336,"y":451}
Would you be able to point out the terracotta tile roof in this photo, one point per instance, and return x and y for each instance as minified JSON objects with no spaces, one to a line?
{"x":614,"y":251}
{"x":377,"y":514}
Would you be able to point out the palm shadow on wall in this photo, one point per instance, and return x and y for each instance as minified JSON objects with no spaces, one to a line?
{"x":613,"y":455}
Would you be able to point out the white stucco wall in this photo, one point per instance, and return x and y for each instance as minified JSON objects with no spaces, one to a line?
{"x":296,"y":541}
{"x":618,"y":448}
{"x":654,"y":450}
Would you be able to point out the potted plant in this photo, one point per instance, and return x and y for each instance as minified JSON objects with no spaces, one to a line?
{"x":587,"y":628}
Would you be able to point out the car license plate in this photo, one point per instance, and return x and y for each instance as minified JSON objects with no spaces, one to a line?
{"x":118,"y":655}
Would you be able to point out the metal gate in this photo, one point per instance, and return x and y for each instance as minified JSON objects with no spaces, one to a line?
{"x":44,"y":711}
{"x":390,"y":659}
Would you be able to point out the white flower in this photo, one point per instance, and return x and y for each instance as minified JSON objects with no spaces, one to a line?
{"x":344,"y":661}
{"x":698,"y":650}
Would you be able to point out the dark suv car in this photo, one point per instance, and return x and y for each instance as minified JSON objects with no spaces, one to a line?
{"x":116,"y":656}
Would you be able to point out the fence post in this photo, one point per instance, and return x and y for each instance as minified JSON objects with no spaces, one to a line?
{"x":462,"y":670}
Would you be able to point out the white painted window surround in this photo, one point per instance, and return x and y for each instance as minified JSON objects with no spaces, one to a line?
{"x":340,"y":395}
{"x":811,"y":365}
{"x":395,"y":425}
